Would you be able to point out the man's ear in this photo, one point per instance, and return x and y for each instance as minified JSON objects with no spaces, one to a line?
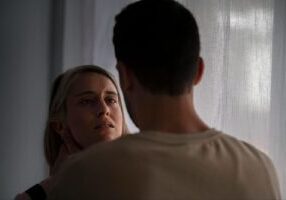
{"x":200,"y":71}
{"x":58,"y":126}
{"x":125,"y":76}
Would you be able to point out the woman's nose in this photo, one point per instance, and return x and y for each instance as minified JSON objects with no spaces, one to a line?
{"x":102,"y":109}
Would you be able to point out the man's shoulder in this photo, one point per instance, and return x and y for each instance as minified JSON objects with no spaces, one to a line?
{"x":142,"y":140}
{"x":104,"y":149}
{"x":115,"y":145}
{"x":218,"y":144}
{"x":248,"y":154}
{"x":242,"y":146}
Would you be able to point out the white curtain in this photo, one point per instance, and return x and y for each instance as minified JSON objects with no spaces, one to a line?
{"x":244,"y":47}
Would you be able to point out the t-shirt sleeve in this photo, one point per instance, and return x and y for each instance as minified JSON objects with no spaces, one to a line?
{"x":273,"y":178}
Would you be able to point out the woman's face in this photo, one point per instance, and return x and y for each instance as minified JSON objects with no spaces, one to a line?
{"x":93,"y":110}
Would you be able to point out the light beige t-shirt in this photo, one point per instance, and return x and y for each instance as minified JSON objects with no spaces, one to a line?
{"x":163,"y":166}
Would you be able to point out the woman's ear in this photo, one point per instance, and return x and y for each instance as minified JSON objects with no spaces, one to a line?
{"x":58,"y":126}
{"x":200,"y":71}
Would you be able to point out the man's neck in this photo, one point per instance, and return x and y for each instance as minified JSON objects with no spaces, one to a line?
{"x":170,"y":114}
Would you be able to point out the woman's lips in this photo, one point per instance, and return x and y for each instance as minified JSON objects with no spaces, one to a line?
{"x":104,"y":125}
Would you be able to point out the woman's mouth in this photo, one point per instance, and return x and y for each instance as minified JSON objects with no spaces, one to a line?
{"x":104,"y":125}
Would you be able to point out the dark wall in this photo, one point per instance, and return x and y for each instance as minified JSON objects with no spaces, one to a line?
{"x":24,"y":80}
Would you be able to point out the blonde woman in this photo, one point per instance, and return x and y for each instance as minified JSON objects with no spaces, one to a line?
{"x":85,"y":108}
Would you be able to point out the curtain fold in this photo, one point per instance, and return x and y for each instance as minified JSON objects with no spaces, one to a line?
{"x":243,"y":44}
{"x":278,"y":93}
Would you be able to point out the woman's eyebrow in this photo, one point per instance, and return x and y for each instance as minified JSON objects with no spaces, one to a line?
{"x":89,"y":92}
{"x":85,"y":93}
{"x":111,"y":92}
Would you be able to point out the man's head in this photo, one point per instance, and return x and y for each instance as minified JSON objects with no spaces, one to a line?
{"x":158,"y":40}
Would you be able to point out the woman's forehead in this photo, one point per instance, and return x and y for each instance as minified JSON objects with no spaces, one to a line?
{"x":93,"y":82}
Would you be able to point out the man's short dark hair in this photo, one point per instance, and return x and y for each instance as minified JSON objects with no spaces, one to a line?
{"x":159,"y":41}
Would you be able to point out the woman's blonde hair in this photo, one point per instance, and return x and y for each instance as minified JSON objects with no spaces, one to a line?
{"x":57,"y":107}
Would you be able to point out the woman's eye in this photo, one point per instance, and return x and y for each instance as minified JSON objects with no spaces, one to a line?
{"x":86,"y":102}
{"x":111,"y":100}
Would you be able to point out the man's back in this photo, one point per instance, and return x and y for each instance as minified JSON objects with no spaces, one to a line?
{"x":154,"y":165}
